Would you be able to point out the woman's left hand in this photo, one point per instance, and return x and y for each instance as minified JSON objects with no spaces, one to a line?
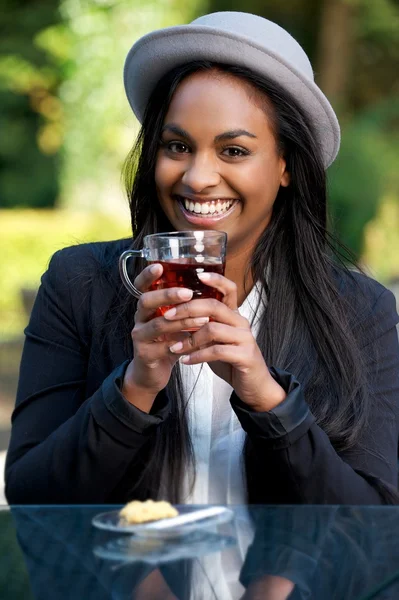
{"x":227,"y":344}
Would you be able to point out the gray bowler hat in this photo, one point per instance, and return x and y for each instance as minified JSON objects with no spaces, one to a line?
{"x":234,"y":38}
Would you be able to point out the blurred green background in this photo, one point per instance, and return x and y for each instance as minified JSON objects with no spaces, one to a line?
{"x":65,"y":124}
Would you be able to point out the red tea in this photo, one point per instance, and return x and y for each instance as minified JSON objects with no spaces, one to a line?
{"x":183,"y":273}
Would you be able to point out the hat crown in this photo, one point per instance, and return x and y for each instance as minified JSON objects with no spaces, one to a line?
{"x":262,"y":32}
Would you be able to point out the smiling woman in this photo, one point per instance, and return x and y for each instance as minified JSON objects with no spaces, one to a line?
{"x":288,"y":391}
{"x":219,"y":165}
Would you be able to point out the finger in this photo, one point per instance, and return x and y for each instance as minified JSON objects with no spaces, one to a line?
{"x":149,"y":302}
{"x":207,"y":307}
{"x":151,"y":350}
{"x":222,"y":284}
{"x":150,"y":354}
{"x":146,"y":278}
{"x":212,"y":334}
{"x":156,"y":329}
{"x":234,"y":355}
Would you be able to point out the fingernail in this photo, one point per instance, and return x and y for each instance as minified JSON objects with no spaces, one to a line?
{"x":204,"y":276}
{"x":170,"y":313}
{"x":176,"y":347}
{"x":184,"y":359}
{"x":185,"y":294}
{"x":201,"y":320}
{"x":154,"y":269}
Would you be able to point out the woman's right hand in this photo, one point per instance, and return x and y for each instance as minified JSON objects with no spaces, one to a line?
{"x":150,"y":370}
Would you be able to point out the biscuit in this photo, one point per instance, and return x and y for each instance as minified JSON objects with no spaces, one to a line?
{"x":141,"y":512}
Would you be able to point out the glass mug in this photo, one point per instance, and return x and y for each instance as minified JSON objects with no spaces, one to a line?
{"x":182,"y":255}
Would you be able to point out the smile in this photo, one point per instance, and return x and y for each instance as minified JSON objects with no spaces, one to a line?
{"x":214,"y":208}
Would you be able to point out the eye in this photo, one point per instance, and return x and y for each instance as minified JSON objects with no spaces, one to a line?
{"x":176,"y":147}
{"x":235,"y":152}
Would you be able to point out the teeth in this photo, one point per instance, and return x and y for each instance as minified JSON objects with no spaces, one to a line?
{"x":206,"y":208}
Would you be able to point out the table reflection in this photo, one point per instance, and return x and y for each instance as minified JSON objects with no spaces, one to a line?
{"x":302,"y":552}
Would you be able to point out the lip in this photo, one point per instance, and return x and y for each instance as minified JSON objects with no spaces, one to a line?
{"x":200,"y":219}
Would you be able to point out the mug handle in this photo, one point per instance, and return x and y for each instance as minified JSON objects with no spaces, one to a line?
{"x":124,"y":257}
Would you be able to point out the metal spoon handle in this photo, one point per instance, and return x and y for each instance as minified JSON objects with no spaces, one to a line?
{"x":196,"y":515}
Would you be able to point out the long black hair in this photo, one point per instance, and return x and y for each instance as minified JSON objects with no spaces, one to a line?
{"x":306,"y":327}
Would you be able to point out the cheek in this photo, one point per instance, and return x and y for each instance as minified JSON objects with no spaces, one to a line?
{"x":268,"y":178}
{"x":260,"y":190}
{"x":167,"y":172}
{"x":159,"y":173}
{"x":260,"y":180}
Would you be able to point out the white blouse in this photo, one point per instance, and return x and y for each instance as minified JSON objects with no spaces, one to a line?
{"x":218,"y":441}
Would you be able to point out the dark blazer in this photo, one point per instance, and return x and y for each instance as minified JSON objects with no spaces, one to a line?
{"x":75,"y":439}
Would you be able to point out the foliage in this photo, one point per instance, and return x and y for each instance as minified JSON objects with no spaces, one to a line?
{"x":382,"y":240}
{"x":365,"y":171}
{"x":28,"y":173}
{"x":374,"y":72}
{"x":100,"y":127}
{"x":27,"y":241}
{"x":66,"y":120}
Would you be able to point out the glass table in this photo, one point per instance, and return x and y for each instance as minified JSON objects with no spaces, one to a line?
{"x":264,"y":552}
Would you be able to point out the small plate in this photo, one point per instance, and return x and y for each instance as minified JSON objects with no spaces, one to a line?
{"x":189,"y":520}
{"x":131,"y":549}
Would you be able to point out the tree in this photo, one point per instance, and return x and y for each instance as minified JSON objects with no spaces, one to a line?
{"x":28,"y":83}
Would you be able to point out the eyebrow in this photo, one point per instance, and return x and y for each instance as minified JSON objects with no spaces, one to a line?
{"x":227,"y":135}
{"x":235,"y":133}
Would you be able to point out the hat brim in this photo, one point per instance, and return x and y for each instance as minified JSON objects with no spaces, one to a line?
{"x":161,"y":51}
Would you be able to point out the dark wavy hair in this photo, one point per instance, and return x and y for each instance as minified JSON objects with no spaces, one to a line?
{"x":306,"y":327}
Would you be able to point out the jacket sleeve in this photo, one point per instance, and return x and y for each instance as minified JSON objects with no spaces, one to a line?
{"x":66,"y":447}
{"x":297,"y":458}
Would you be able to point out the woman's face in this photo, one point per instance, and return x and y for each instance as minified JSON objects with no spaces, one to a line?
{"x":218,"y":166}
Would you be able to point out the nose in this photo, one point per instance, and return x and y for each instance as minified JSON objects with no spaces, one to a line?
{"x":201,"y":173}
